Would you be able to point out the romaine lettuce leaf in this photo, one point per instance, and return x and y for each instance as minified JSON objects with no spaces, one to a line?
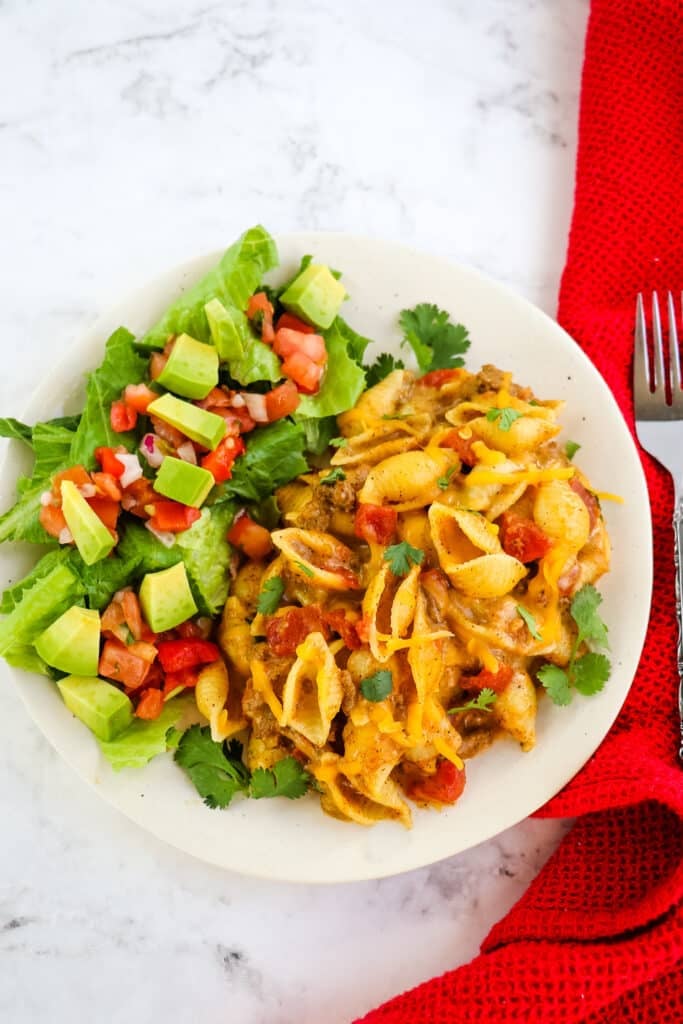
{"x":101,"y":580}
{"x":230,"y":330}
{"x":139,"y":545}
{"x":20,"y":522}
{"x":258,"y":363}
{"x":342,"y":384}
{"x":206,"y":553}
{"x":233,"y":281}
{"x":274,"y":456}
{"x":13,"y":595}
{"x":356,"y":344}
{"x":143,"y":740}
{"x":26,"y":657}
{"x":319,"y":433}
{"x":52,"y":445}
{"x":122,"y":365}
{"x":40,"y":604}
{"x":9,"y":427}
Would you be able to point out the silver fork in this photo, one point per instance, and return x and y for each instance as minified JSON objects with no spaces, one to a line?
{"x":659,"y":425}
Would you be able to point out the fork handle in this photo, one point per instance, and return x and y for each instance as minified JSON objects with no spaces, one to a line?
{"x":678,"y":559}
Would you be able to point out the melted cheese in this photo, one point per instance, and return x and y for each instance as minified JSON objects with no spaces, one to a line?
{"x":482,"y":475}
{"x":262,"y":685}
{"x":478,"y":649}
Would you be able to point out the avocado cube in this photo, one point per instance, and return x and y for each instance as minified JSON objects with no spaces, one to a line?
{"x":72,"y":642}
{"x":101,"y":706}
{"x":315,"y":295}
{"x":166,"y":598}
{"x":201,"y":426}
{"x":229,"y":330}
{"x":192,"y":368}
{"x":183,"y":482}
{"x":92,"y":537}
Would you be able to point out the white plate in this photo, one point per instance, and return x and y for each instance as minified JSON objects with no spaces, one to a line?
{"x":279,"y":839}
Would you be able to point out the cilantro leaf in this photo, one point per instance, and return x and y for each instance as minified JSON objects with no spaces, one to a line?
{"x":556,"y":683}
{"x":570,"y":449}
{"x":378,"y":686}
{"x":269,"y":598}
{"x":216,"y":769}
{"x":335,"y":474}
{"x":401,"y":556}
{"x":482,"y":702}
{"x":590,"y":673}
{"x":584,"y":611}
{"x":383,"y":365}
{"x":436,"y":342}
{"x":306,"y":570}
{"x":504,"y":417}
{"x":286,"y":778}
{"x":530,"y":621}
{"x":339,"y":442}
{"x":444,"y":481}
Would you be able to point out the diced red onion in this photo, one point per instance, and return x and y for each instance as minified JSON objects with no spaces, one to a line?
{"x":128,"y":501}
{"x":238,"y":402}
{"x":149,"y":446}
{"x":87,"y":490}
{"x":256,"y":407}
{"x":187,"y":453}
{"x":65,"y":536}
{"x":46,"y":498}
{"x":164,"y":537}
{"x":132,"y":470}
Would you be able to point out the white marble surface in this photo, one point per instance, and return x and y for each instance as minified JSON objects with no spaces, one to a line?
{"x":133,"y":135}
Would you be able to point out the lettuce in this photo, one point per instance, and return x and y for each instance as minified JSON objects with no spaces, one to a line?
{"x":52,"y":443}
{"x":233,"y":282}
{"x":143,"y":740}
{"x":319,"y":433}
{"x":39,"y":605}
{"x":258,"y":363}
{"x":13,"y":595}
{"x":343,"y":382}
{"x":101,"y":580}
{"x":25,"y":656}
{"x":9,"y":427}
{"x":139,"y":545}
{"x":206,"y":553}
{"x":122,"y":365}
{"x":274,"y":456}
{"x":20,"y":522}
{"x":356,"y":344}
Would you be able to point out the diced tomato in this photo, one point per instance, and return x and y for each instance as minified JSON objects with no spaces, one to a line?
{"x":220,"y":461}
{"x":187,"y":678}
{"x":167,"y":432}
{"x":462,"y":446}
{"x":261,"y":308}
{"x":375,"y":523}
{"x":157,"y":363}
{"x":287,"y":342}
{"x":76,"y":474}
{"x":522,"y":538}
{"x":122,"y":664}
{"x":589,"y":500}
{"x":217,"y":398}
{"x":122,"y":619}
{"x":293,"y":323}
{"x":246,"y":423}
{"x":252,"y":539}
{"x":190,"y":630}
{"x":52,"y":520}
{"x":282,"y":401}
{"x":437,"y":378}
{"x":363,"y":628}
{"x":173,"y":516}
{"x":496,"y":681}
{"x":435,"y":582}
{"x":150,"y":705}
{"x":106,"y":510}
{"x":122,"y":417}
{"x":339,"y":623}
{"x":303,"y":371}
{"x":132,"y":613}
{"x":285,"y":632}
{"x":109,"y":463}
{"x":138,"y":495}
{"x":107,"y":486}
{"x":113,"y":621}
{"x":139,"y":397}
{"x":176,"y":655}
{"x":444,"y":787}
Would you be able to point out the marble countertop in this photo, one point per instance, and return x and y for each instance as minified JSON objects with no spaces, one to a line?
{"x":133,"y":136}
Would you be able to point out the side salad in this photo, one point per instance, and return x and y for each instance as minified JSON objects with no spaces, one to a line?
{"x":142,"y":501}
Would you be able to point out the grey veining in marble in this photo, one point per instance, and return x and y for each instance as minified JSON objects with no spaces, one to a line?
{"x":132,"y":136}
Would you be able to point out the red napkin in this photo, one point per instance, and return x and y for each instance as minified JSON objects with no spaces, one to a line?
{"x":598,"y":936}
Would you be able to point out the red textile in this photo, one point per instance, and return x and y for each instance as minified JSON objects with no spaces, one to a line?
{"x":598,"y":936}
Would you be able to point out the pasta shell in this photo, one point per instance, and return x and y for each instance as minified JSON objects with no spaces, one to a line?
{"x":313,"y":691}
{"x":426,"y":666}
{"x":409,"y":480}
{"x":276,"y":567}
{"x":487,"y":576}
{"x":211,"y":696}
{"x":234,"y":635}
{"x":515,"y":709}
{"x":526,"y":433}
{"x":317,"y":558}
{"x":378,"y":401}
{"x":562,"y":514}
{"x":388,"y":609}
{"x":343,"y":797}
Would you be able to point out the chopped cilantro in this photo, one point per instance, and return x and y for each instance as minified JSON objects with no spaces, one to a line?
{"x":482,"y":702}
{"x":571,"y":448}
{"x":437,"y":343}
{"x":216,"y":769}
{"x":504,"y":417}
{"x":445,"y":480}
{"x":335,"y":474}
{"x":531,"y":623}
{"x":377,"y":687}
{"x":287,"y":777}
{"x":306,"y":570}
{"x":401,"y":556}
{"x":556,"y":683}
{"x":269,"y":598}
{"x":339,"y":442}
{"x":383,"y":365}
{"x":589,"y":673}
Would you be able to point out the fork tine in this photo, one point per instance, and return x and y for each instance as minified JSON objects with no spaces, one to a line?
{"x":658,"y":345}
{"x":641,"y":366}
{"x":674,"y":354}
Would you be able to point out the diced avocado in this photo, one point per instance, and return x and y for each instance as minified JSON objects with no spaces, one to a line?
{"x":184,"y":482}
{"x":229,"y":328}
{"x":72,"y":642}
{"x":192,"y":368}
{"x":315,"y":295}
{"x":166,"y":598}
{"x":101,"y":706}
{"x":92,"y":537}
{"x":203,"y":427}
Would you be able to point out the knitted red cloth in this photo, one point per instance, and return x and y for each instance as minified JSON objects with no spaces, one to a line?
{"x":598,"y":937}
